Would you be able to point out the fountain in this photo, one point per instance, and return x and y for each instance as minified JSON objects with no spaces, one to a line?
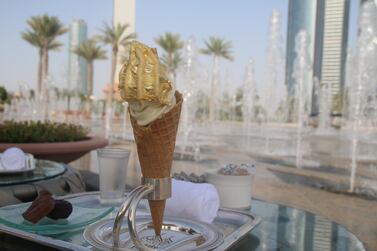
{"x":363,"y":89}
{"x":302,"y":67}
{"x":249,"y":101}
{"x":324,"y":105}
{"x":274,"y":67}
{"x":274,"y":74}
{"x":214,"y":95}
{"x":225,"y":99}
{"x":188,"y":77}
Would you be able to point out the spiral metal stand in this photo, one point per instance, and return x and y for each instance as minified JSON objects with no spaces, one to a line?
{"x":152,"y":189}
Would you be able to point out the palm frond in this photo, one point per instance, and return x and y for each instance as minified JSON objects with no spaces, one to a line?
{"x":164,"y":59}
{"x":55,"y":45}
{"x":205,"y":51}
{"x":107,"y":34}
{"x":177,"y":61}
{"x":115,"y":35}
{"x":90,"y":50}
{"x":218,"y":47}
{"x":170,"y":42}
{"x":126,"y":40}
{"x":32,"y":38}
{"x":43,"y":31}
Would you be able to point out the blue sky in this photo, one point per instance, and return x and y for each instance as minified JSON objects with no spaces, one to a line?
{"x":244,"y":22}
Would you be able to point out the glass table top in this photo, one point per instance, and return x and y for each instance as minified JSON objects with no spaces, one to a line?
{"x":281,"y":228}
{"x":287,"y":228}
{"x":44,"y":170}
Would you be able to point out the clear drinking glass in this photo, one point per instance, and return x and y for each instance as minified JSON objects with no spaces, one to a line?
{"x":112,"y":174}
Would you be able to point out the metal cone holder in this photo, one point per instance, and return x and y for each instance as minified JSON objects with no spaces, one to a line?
{"x":152,"y":189}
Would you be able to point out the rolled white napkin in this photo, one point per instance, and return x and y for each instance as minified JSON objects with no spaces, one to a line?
{"x":13,"y":159}
{"x":193,"y":201}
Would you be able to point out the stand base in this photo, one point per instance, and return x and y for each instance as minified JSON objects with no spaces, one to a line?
{"x":176,"y":233}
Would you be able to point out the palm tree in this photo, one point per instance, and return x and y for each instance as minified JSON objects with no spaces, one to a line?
{"x":116,"y":37}
{"x":177,"y":60}
{"x":217,"y":48}
{"x":90,"y":51}
{"x":42,"y":33}
{"x":171,"y":44}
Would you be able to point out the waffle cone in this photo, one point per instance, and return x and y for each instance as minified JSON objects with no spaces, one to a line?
{"x":155,"y":147}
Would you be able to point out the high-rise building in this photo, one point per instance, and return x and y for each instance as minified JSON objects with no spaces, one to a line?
{"x":301,"y":16}
{"x":333,"y":49}
{"x":326,"y":22}
{"x":77,"y":65}
{"x":124,"y":13}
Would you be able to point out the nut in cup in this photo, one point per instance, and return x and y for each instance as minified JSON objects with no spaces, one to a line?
{"x":112,"y":163}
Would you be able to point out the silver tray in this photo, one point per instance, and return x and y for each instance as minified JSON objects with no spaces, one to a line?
{"x":177,"y":234}
{"x":231,"y":224}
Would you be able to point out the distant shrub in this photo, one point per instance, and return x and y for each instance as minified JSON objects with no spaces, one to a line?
{"x":3,"y":95}
{"x":40,"y":131}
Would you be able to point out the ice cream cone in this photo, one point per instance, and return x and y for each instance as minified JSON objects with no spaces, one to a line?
{"x":155,"y":146}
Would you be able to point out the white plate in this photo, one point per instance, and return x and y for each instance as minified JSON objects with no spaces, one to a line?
{"x":29,"y":166}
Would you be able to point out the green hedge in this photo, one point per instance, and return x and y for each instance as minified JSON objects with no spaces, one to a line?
{"x":40,"y":131}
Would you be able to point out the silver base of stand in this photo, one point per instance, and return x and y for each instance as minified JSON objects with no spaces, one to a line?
{"x":153,"y":189}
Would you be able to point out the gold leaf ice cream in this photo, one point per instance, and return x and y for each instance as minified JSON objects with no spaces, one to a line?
{"x":143,"y":83}
{"x":155,"y":108}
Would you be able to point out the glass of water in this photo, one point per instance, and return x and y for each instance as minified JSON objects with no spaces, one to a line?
{"x":112,"y":174}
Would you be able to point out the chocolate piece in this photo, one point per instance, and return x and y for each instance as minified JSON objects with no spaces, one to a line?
{"x":45,"y":205}
{"x":40,"y":207}
{"x":62,"y":210}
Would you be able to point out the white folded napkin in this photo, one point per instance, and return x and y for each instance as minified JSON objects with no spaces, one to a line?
{"x":13,"y":159}
{"x":193,"y":201}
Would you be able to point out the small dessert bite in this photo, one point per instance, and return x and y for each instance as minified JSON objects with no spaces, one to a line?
{"x":40,"y":207}
{"x":46,"y":205}
{"x":62,"y":210}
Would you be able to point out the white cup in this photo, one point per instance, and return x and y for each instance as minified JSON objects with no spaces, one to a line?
{"x":234,"y":191}
{"x":112,"y":174}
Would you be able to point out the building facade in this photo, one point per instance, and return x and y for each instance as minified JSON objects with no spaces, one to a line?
{"x":77,"y":71}
{"x":301,"y":16}
{"x":326,"y":22}
{"x":333,"y":50}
